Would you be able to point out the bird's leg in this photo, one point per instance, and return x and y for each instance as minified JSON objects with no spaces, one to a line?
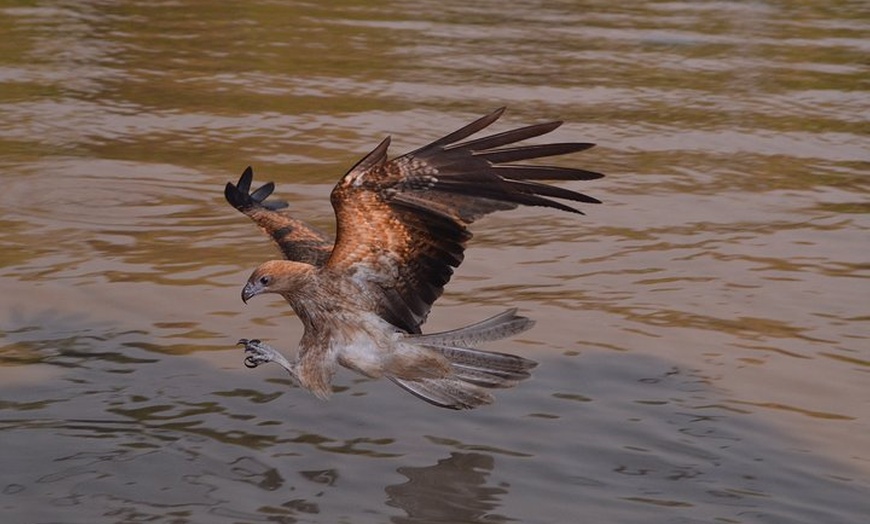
{"x":259,"y":353}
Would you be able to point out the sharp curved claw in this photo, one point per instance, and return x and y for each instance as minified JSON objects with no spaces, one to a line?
{"x":256,"y":353}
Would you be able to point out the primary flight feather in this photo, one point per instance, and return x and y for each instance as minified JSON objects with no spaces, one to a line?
{"x":402,"y":227}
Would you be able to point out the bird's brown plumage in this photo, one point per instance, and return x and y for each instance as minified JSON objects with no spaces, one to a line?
{"x":402,"y":227}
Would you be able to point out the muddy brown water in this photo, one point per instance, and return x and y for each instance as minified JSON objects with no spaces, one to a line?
{"x":702,"y":336}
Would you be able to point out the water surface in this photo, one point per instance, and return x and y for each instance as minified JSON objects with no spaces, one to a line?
{"x":702,"y":336}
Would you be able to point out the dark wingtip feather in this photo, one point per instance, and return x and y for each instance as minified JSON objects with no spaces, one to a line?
{"x":516,"y":192}
{"x":237,"y":195}
{"x":236,"y":198}
{"x":531,"y":172}
{"x":263,"y":192}
{"x":546,"y":190}
{"x":507,"y":137}
{"x":242,"y":198}
{"x":245,"y":180}
{"x":512,"y":154}
{"x":466,"y":131}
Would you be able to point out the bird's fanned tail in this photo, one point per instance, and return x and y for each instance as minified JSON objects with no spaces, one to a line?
{"x":472,"y":371}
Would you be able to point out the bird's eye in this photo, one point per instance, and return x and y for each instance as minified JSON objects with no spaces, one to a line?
{"x":264,"y":280}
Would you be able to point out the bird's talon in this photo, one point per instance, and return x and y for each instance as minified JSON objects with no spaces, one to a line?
{"x":256,"y":352}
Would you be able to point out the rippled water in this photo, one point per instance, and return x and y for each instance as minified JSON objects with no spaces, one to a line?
{"x":703,"y":335}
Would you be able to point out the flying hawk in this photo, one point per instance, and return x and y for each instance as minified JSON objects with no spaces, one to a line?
{"x":402,"y":226}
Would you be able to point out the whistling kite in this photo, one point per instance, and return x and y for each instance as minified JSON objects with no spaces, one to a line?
{"x":402,"y":226}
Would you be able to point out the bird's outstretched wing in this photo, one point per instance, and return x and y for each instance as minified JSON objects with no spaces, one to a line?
{"x":402,"y":224}
{"x":297,"y":240}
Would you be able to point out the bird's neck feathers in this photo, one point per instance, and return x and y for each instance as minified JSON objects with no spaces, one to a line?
{"x":290,"y":276}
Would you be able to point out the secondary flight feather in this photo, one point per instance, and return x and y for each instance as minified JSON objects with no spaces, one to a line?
{"x":402,"y":228}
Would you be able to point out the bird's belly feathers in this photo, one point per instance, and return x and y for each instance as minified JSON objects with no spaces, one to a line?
{"x":366,"y":346}
{"x":375,"y":349}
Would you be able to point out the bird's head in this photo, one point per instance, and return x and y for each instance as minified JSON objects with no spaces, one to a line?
{"x":275,"y":276}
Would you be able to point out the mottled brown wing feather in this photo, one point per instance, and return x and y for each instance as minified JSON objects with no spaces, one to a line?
{"x":403,"y":223}
{"x":297,"y":240}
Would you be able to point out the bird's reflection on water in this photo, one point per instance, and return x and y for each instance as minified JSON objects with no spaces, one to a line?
{"x":452,"y":490}
{"x":455,"y":489}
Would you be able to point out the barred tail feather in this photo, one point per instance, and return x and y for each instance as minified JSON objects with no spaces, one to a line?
{"x":472,"y":371}
{"x":500,"y":326}
{"x":488,"y":369}
{"x":446,"y":392}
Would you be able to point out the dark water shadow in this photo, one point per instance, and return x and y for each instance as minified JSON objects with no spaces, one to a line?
{"x":455,"y":489}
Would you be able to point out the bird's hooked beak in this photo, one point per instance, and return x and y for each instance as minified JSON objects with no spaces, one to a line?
{"x":251,"y":289}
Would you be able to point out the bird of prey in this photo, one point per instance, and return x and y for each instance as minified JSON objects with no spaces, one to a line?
{"x":402,"y":227}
